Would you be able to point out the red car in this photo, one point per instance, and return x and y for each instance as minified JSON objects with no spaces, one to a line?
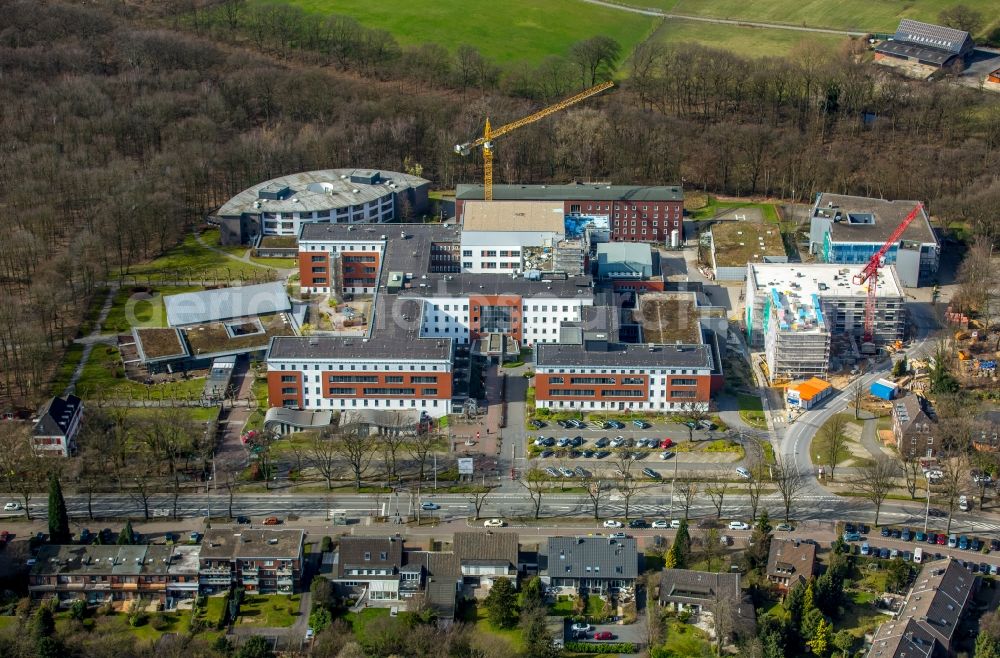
{"x":604,"y":635}
{"x":942,"y":540}
{"x":666,"y":443}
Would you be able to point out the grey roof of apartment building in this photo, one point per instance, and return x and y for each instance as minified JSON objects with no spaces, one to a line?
{"x":369,"y":552}
{"x":226,"y":303}
{"x":116,"y":560}
{"x":486,"y":547}
{"x":591,"y":557}
{"x":457,"y":285}
{"x":698,"y":587}
{"x":572,"y":192}
{"x":887,"y":216}
{"x":55,"y":416}
{"x":932,"y":610}
{"x":369,"y":232}
{"x":317,"y":191}
{"x":382,"y":345}
{"x":184,"y":559}
{"x":624,"y":355}
{"x":791,"y":558}
{"x":221,"y":544}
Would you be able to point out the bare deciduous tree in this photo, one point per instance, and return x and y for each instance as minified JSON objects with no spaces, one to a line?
{"x":717,"y":493}
{"x":356,"y":448}
{"x":595,"y":489}
{"x":324,"y":454}
{"x":536,"y":484}
{"x":834,"y":442}
{"x":910,"y":466}
{"x":790,"y":481}
{"x":419,"y":447}
{"x":687,"y":489}
{"x":875,"y":480}
{"x":626,"y":484}
{"x":478,"y":498}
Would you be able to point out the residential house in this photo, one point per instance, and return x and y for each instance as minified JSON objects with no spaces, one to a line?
{"x":913,"y":428}
{"x":486,"y":556}
{"x":372,"y":567}
{"x":717,"y":593}
{"x":790,"y":561}
{"x":989,"y":432}
{"x":257,"y":561}
{"x":926,"y":624}
{"x":114,"y":573}
{"x":598,"y":565}
{"x":55,"y":429}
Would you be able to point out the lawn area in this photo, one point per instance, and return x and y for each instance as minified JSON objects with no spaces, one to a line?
{"x":713,"y":207}
{"x":516,"y":30}
{"x":752,"y":410}
{"x":857,"y":15}
{"x":724,"y":445}
{"x":470,"y":613}
{"x":191,"y":261}
{"x":193,"y":414}
{"x":818,"y":452}
{"x":686,"y":640}
{"x":66,"y":368}
{"x":563,"y":607}
{"x":275,"y":610}
{"x":280,"y":263}
{"x":132,"y":308}
{"x":211,"y":237}
{"x":99,"y":376}
{"x":359,"y":620}
{"x":741,"y":40}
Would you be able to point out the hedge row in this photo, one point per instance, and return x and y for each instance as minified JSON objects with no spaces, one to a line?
{"x":604,"y":647}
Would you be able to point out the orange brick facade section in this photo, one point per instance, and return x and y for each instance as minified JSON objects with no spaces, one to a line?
{"x":544,"y":386}
{"x":276,"y":387}
{"x":353,"y":264}
{"x":315,"y":260}
{"x":703,"y":388}
{"x":476,"y":302}
{"x":442,"y":383}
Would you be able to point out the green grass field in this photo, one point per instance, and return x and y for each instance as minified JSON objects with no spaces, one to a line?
{"x":743,"y":41}
{"x":854,"y":15}
{"x":99,"y":379}
{"x":130,"y":309}
{"x":512,"y":31}
{"x":190,"y":261}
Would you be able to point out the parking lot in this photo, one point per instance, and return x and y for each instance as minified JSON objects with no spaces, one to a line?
{"x":593,"y":448}
{"x":903,"y":542}
{"x":635,"y":633}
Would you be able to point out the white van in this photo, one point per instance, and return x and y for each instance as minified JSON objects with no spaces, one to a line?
{"x":918,"y":555}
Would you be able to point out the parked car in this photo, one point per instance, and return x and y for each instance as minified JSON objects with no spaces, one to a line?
{"x":601,"y":454}
{"x":85,"y":536}
{"x":866,"y":549}
{"x":743,"y":472}
{"x":706,"y":425}
{"x":551,"y":472}
{"x":661,"y":523}
{"x":604,"y":635}
{"x":738,"y":525}
{"x":638,"y":523}
{"x":243,"y":520}
{"x":894,"y":553}
{"x":602,"y":442}
{"x":920,"y":536}
{"x":429,"y":506}
{"x":952,"y":541}
{"x":963,"y":543}
{"x":641,"y":424}
{"x":650,"y":473}
{"x":863,"y":529}
{"x":975,"y":544}
{"x":906,"y":536}
{"x":995,"y":544}
{"x":587,"y":454}
{"x":675,"y":523}
{"x":942,"y":540}
{"x":576,"y":441}
{"x":566,"y":472}
{"x":563,"y":442}
{"x":537,"y":424}
{"x":964,"y":504}
{"x":581,"y":626}
{"x":616,"y":424}
{"x":617,"y":442}
{"x":884,"y":554}
{"x":666,"y":443}
{"x":850,"y":527}
{"x":272,"y":520}
{"x":932,"y":537}
{"x":545,"y":454}
{"x":12,"y":506}
{"x":666,"y":454}
{"x":494,"y":523}
{"x":726,"y":540}
{"x":886,"y":532}
{"x":575,"y":454}
{"x":617,"y":535}
{"x":851,"y":536}
{"x":309,"y":634}
{"x":897,"y":534}
{"x":611,"y":523}
{"x":784,"y":527}
{"x":935,"y":512}
{"x":195,"y":537}
{"x":581,"y":472}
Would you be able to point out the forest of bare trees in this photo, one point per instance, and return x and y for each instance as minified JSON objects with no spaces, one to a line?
{"x":129,"y":127}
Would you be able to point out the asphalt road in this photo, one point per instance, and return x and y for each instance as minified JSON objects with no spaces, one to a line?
{"x":654,"y":503}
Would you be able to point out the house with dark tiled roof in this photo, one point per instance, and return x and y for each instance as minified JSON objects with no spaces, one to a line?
{"x":718,"y":593}
{"x":55,"y":429}
{"x":598,"y":565}
{"x":790,"y":561}
{"x":926,"y":624}
{"x":485,"y":556}
{"x":370,"y":566}
{"x":913,"y":427}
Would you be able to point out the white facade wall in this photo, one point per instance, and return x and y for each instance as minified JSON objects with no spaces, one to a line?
{"x":446,"y":317}
{"x":494,"y":252}
{"x":312,"y":386}
{"x":543,"y":315}
{"x":377,"y":211}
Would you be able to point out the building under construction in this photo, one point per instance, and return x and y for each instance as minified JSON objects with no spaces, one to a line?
{"x":793,"y":312}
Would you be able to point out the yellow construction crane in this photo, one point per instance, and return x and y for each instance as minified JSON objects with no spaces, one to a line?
{"x":486,"y":141}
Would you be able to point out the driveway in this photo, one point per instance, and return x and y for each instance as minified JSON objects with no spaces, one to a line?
{"x":635,"y":633}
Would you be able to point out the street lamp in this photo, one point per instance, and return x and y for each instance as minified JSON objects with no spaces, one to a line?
{"x":927,"y":510}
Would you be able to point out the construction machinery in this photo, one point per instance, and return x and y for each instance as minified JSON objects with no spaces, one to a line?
{"x":869,"y":275}
{"x":489,"y":134}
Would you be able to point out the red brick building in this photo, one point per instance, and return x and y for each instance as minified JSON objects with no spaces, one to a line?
{"x":634,"y":213}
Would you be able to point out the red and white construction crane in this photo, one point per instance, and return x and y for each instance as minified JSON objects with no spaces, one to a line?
{"x":869,"y":275}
